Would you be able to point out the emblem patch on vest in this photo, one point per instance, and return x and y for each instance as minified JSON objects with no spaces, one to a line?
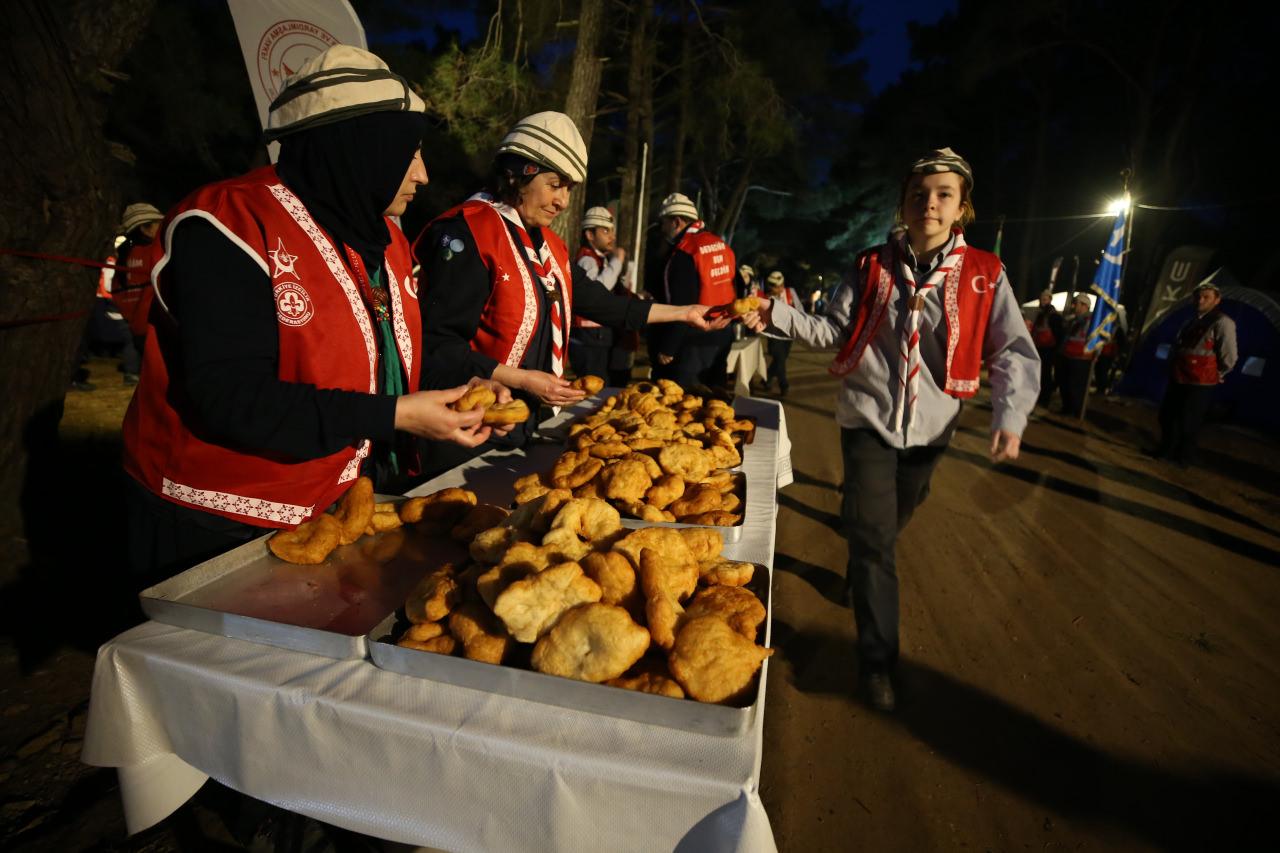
{"x":293,"y":305}
{"x":411,"y":286}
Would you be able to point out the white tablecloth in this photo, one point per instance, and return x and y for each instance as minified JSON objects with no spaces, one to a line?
{"x":411,"y":760}
{"x":746,"y":361}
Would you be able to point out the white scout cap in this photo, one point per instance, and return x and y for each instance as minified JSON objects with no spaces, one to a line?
{"x":775,"y":277}
{"x":340,"y":83}
{"x":551,"y":139}
{"x":597,"y":217}
{"x":139,"y":214}
{"x":943,"y":160}
{"x":678,"y":204}
{"x":747,"y":269}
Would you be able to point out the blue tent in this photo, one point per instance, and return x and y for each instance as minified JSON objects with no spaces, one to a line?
{"x":1250,"y":396}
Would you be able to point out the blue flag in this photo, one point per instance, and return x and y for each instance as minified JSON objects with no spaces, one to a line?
{"x":1106,"y":286}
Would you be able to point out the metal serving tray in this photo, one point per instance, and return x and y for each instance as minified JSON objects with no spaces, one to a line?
{"x":329,"y":609}
{"x":684,"y":714}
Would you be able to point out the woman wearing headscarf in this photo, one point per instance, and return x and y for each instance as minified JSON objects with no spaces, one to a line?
{"x":920,"y":317}
{"x":281,"y":364}
{"x":499,"y":290}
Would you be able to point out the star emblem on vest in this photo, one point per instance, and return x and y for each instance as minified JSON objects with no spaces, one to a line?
{"x":282,"y":259}
{"x":293,"y":305}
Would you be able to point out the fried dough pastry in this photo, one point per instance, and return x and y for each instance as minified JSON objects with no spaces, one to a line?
{"x":696,"y":500}
{"x":713,"y":662}
{"x":479,"y":517}
{"x":626,"y":480}
{"x":735,"y":605}
{"x":704,"y":544}
{"x":651,"y":466}
{"x":724,"y":455}
{"x":503,"y":414}
{"x":590,"y":384}
{"x":531,"y":606}
{"x":434,"y":596}
{"x":536,"y":515}
{"x":691,"y":463}
{"x":608,"y":449}
{"x":729,"y":502}
{"x":385,"y":517}
{"x":443,"y":645}
{"x":310,"y":543}
{"x":715,"y":518}
{"x":745,"y":305}
{"x":722,"y":480}
{"x":573,"y":469}
{"x":475,"y":397}
{"x":644,"y":443}
{"x":716,"y":572}
{"x":423,"y":631}
{"x":663,"y":419}
{"x":667,"y":488}
{"x":589,"y":520}
{"x":645,"y":512}
{"x":649,"y":676}
{"x":591,"y":642}
{"x":669,"y":545}
{"x":664,"y":585}
{"x":488,"y":546}
{"x":354,"y":510}
{"x":670,"y":388}
{"x":495,"y":581}
{"x":589,"y":489}
{"x":444,"y":507}
{"x":615,"y":575}
{"x":482,"y":636}
{"x":530,"y":487}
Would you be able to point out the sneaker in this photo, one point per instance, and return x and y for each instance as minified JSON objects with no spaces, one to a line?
{"x":82,"y":386}
{"x":131,"y":379}
{"x":879,"y":689}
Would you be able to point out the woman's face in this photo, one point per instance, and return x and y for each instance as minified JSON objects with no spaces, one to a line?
{"x":932,"y":205}
{"x":415,"y":176}
{"x":542,"y":199}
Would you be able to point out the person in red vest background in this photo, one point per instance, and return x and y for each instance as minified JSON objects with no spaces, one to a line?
{"x":915,"y":324}
{"x":131,"y":289}
{"x":499,"y":293}
{"x":780,"y":346}
{"x":602,"y":261}
{"x":699,"y":268}
{"x":1075,"y":364}
{"x":1046,"y":333}
{"x":286,"y":345}
{"x":1203,"y":354}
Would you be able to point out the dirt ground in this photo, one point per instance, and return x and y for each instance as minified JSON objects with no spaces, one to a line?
{"x":1090,"y":650}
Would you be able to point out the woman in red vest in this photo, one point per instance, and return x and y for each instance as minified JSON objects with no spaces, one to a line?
{"x":282,"y":361}
{"x":500,"y":292}
{"x":919,"y":318}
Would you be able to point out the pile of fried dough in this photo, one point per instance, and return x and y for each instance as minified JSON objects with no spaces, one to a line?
{"x":654,"y":453}
{"x":451,"y":512}
{"x":562,"y":585}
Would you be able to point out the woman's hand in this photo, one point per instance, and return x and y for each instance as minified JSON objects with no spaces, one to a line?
{"x":761,"y":318}
{"x":1004,"y":445}
{"x":696,"y":316}
{"x":427,"y":414}
{"x":550,"y":389}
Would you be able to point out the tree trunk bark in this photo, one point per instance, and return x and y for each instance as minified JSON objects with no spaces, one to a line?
{"x":639,"y":129}
{"x":59,"y":199}
{"x":685,"y":96}
{"x":733,"y":210}
{"x":580,"y":104}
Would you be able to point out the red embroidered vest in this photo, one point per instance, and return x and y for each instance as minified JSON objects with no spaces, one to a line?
{"x":967,"y":294}
{"x":1195,"y":362}
{"x":326,"y":339}
{"x":1042,"y":333}
{"x":580,"y":322}
{"x":714,"y":261}
{"x":511,"y":315}
{"x":131,"y":289}
{"x":1077,"y":334}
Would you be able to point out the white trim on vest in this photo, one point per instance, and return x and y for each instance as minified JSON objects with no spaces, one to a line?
{"x":237,"y":504}
{"x":529,"y":319}
{"x":168,"y":249}
{"x":295,"y":208}
{"x":403,"y":342}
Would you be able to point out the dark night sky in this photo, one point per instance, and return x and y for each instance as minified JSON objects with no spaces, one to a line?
{"x":885,"y":46}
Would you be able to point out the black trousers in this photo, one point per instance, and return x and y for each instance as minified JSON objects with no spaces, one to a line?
{"x":589,"y":351}
{"x":165,"y":538}
{"x":1047,"y":377}
{"x":778,"y":351}
{"x":1182,"y":414}
{"x":882,"y":488}
{"x":1073,"y":382}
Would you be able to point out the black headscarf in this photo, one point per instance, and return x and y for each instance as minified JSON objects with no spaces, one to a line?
{"x":348,"y":172}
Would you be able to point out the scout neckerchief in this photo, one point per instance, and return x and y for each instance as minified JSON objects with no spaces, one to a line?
{"x":909,"y":383}
{"x":390,"y":376}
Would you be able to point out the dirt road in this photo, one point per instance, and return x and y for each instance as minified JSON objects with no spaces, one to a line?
{"x":1091,"y":658}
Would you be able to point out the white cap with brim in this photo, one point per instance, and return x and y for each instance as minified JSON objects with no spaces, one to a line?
{"x":944,"y":160}
{"x":550,"y":139}
{"x":341,"y":83}
{"x":597,"y":217}
{"x":678,"y":204}
{"x":775,"y":277}
{"x":139,"y":214}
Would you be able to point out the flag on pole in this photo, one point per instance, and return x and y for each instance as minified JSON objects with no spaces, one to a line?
{"x":1106,"y":286}
{"x":277,"y":36}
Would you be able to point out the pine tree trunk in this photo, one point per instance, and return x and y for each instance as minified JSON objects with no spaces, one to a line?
{"x":639,"y":130}
{"x":685,"y":95}
{"x":580,"y":104}
{"x":59,"y":200}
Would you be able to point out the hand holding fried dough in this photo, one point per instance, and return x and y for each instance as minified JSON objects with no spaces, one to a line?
{"x":427,"y":414}
{"x":550,"y":389}
{"x":762,"y":317}
{"x":590,"y":384}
